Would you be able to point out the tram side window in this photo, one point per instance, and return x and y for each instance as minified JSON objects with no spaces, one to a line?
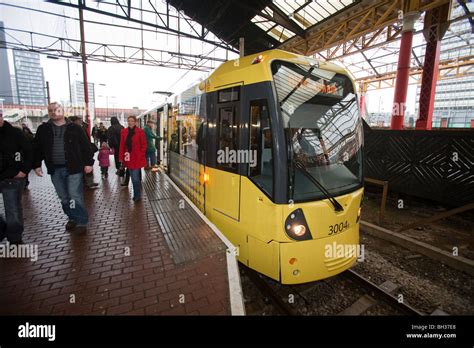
{"x":261,"y":156}
{"x":227,"y":138}
{"x":174,"y":138}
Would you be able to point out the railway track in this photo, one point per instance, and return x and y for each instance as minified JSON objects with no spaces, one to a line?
{"x":434,"y":253}
{"x":268,"y":292}
{"x":373,"y":291}
{"x":380,"y":293}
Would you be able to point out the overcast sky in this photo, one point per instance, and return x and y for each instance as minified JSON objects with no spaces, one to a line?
{"x":127,"y":85}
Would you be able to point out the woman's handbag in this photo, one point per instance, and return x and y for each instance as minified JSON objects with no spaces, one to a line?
{"x":94,"y":148}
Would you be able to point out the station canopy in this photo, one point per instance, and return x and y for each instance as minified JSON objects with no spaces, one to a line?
{"x":263,"y":24}
{"x":361,"y":35}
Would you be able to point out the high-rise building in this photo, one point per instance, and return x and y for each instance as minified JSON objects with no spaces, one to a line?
{"x":29,"y":78}
{"x":14,"y":89}
{"x":78,"y":93}
{"x":454,"y":98}
{"x":6,"y":91}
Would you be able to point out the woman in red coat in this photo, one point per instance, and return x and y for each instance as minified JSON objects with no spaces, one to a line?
{"x":132,"y":153}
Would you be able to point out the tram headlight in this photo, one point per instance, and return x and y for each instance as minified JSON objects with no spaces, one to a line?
{"x":299,"y":230}
{"x":296,"y":226}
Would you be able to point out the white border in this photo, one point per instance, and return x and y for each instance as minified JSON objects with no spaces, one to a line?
{"x":235,"y":286}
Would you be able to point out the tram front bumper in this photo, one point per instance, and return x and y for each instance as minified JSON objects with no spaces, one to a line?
{"x":306,"y":261}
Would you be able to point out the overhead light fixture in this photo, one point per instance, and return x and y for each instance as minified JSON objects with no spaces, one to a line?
{"x":163,"y":92}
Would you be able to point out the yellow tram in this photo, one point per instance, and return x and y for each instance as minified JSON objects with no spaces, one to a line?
{"x":269,"y":147}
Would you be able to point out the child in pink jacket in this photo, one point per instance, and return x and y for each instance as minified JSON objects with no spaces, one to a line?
{"x":104,"y":161}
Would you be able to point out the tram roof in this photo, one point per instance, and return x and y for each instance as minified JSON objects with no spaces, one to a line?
{"x":244,"y":71}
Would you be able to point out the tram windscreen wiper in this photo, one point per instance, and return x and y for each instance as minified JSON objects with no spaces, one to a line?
{"x":334,"y":202}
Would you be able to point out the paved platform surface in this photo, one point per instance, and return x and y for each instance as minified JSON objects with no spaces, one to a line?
{"x":153,"y":257}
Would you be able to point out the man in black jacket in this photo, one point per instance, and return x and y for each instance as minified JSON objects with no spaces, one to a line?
{"x":113,"y":138}
{"x":67,"y":153}
{"x":16,"y":155}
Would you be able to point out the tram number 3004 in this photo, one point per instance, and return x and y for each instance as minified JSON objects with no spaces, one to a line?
{"x":338,"y":228}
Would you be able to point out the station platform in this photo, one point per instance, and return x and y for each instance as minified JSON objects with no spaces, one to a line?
{"x":159,"y":256}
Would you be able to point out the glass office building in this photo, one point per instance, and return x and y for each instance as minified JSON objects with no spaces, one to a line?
{"x":30,"y":85}
{"x":454,"y":98}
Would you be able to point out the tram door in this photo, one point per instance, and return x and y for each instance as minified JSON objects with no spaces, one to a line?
{"x":226,"y":187}
{"x":162,"y":124}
